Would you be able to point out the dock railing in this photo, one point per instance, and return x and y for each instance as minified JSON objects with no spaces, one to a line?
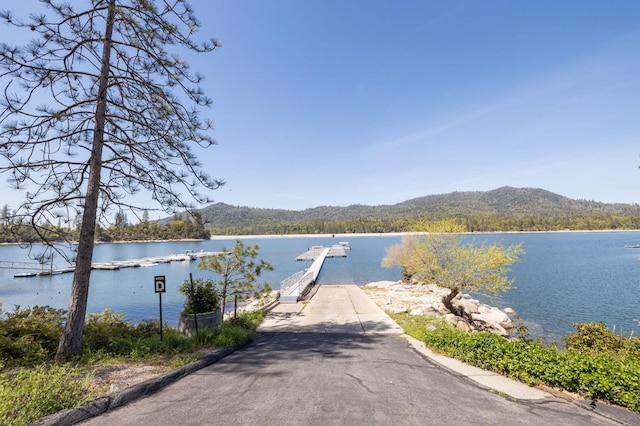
{"x":287,"y":284}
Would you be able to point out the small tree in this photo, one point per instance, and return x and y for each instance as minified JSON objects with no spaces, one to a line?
{"x":238,"y":269}
{"x":442,"y":258}
{"x":201,"y":296}
{"x":398,"y":255}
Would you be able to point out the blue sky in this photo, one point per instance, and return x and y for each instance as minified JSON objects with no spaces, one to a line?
{"x":327,"y":102}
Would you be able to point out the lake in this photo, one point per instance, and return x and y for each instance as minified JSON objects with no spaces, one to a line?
{"x":562,"y":279}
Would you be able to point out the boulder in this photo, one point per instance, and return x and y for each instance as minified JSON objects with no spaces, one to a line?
{"x":491,"y":314}
{"x":468,"y":305}
{"x":507,"y":325}
{"x":497,"y":329}
{"x":451,"y":319}
{"x":462,"y":325}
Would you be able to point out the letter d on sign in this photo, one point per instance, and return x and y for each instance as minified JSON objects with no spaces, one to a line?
{"x":160,"y":284}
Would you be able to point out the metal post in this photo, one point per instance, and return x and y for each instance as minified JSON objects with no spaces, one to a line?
{"x":160,"y":287}
{"x":195,"y":315}
{"x":160,"y":295}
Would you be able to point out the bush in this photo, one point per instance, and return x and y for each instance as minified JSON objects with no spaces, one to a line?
{"x":596,"y":338}
{"x":201,"y":296}
{"x":236,"y":331}
{"x":29,"y":336}
{"x":109,"y":333}
{"x":104,"y":330}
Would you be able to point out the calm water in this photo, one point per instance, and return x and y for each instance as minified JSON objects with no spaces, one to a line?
{"x":563,"y":278}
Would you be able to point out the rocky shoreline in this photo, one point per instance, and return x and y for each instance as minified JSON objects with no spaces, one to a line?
{"x":418,"y":299}
{"x":426,"y":299}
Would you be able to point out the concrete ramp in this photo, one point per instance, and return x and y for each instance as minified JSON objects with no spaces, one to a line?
{"x":333,"y":309}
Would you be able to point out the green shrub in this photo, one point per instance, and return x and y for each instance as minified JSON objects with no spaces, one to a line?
{"x":29,"y":336}
{"x":33,"y":393}
{"x":597,"y":363}
{"x":201,"y":296}
{"x":106,"y":330}
{"x":236,"y":331}
{"x":596,"y":338}
{"x":232,"y":334}
{"x":147,"y":328}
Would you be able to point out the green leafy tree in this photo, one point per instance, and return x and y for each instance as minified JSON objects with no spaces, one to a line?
{"x":238,"y":269}
{"x":442,"y":257}
{"x":94,"y":109}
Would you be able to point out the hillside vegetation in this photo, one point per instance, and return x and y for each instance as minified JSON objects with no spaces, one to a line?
{"x":502,"y":209}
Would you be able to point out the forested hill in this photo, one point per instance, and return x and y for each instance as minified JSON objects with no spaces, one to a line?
{"x":502,"y":209}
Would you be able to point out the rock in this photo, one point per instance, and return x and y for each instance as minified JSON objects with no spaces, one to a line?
{"x":397,"y":310}
{"x":439,"y":307}
{"x":468,"y":305}
{"x":497,"y":329}
{"x":426,"y":299}
{"x":430,"y":309}
{"x":507,"y":325}
{"x":462,"y":325}
{"x":451,"y":319}
{"x":490,"y":314}
{"x":384,"y":285}
{"x":509,"y":311}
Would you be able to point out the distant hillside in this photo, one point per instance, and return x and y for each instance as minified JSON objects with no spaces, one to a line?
{"x":504,"y":209}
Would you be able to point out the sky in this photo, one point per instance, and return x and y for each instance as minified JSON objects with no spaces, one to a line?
{"x":340,"y":102}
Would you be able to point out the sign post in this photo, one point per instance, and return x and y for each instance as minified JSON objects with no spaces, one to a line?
{"x":160,"y":287}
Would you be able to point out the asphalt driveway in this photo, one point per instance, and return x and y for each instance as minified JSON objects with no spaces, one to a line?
{"x":337,"y":360}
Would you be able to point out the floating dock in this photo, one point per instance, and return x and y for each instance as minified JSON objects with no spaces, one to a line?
{"x":336,"y":250}
{"x":115,"y":265}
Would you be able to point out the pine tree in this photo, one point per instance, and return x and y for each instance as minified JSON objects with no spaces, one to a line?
{"x":96,"y":108}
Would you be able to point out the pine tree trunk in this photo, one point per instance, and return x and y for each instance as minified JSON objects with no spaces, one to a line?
{"x":71,"y":339}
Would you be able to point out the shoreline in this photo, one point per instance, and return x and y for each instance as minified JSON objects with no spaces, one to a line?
{"x":340,"y":235}
{"x":400,"y":234}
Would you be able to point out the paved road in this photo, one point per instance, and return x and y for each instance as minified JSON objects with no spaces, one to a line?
{"x":337,"y":360}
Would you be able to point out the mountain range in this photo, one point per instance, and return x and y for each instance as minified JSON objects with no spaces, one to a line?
{"x":505,"y":202}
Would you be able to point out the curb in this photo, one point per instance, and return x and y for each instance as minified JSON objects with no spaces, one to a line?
{"x":269,"y":306}
{"x":117,"y":399}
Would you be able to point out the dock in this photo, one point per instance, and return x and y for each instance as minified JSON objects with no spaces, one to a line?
{"x":115,"y":265}
{"x":336,"y":250}
{"x":298,"y":284}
